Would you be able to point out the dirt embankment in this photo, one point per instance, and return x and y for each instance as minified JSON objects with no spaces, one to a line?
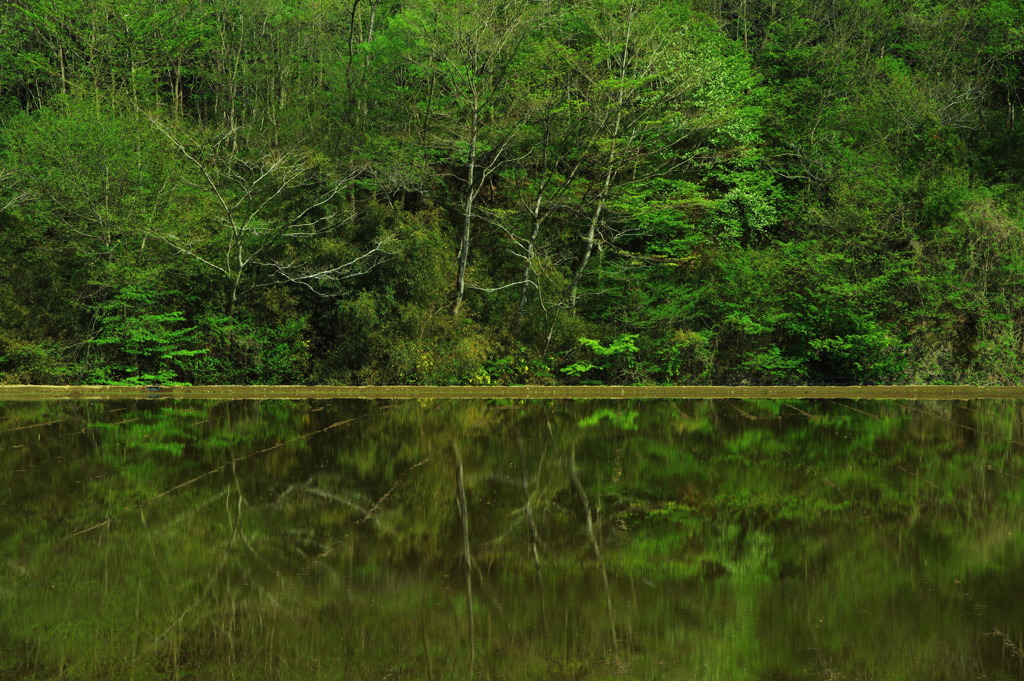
{"x":296,"y":392}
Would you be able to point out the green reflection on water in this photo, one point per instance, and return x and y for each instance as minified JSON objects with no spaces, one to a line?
{"x":758,"y":539}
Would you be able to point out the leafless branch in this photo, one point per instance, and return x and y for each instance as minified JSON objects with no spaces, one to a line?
{"x":202,"y":167}
{"x":499,"y":288}
{"x":363,"y":264}
{"x":175,"y":243}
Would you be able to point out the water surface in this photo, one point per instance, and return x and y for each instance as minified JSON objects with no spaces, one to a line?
{"x":510,"y":539}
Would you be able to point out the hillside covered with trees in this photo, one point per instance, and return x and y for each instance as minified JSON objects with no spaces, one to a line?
{"x":514,"y":191}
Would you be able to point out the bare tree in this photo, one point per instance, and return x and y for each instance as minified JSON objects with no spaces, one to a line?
{"x":466,"y":56}
{"x":10,"y":194}
{"x":273,"y":209}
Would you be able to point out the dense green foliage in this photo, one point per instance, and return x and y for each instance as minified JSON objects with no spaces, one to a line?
{"x":444,"y":191}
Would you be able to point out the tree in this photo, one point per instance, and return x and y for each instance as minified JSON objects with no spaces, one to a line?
{"x":460,"y":61}
{"x":89,"y":187}
{"x":265,"y":204}
{"x":652,"y":100}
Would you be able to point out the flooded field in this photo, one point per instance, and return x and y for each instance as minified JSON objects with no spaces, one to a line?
{"x":414,"y":536}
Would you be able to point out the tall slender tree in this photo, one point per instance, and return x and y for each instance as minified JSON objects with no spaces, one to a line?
{"x":461,"y":59}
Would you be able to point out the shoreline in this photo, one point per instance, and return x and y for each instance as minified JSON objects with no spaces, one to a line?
{"x":234,"y":392}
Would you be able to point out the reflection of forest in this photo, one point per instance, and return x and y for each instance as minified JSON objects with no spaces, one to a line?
{"x":509,"y":539}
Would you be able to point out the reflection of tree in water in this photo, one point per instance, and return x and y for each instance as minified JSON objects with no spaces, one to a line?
{"x":514,"y":539}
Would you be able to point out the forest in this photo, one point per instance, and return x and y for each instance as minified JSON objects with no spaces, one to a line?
{"x":511,"y":191}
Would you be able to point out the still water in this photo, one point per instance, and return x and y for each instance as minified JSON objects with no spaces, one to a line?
{"x":511,"y":539}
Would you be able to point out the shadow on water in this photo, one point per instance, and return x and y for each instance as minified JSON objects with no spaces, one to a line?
{"x":509,"y":538}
